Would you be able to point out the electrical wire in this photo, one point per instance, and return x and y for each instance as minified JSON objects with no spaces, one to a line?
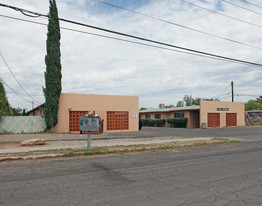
{"x":15,"y":91}
{"x":236,"y":5}
{"x":16,"y":78}
{"x":248,"y":95}
{"x":123,"y":40}
{"x":136,"y":37}
{"x":236,"y":19}
{"x":179,"y":25}
{"x":252,"y":4}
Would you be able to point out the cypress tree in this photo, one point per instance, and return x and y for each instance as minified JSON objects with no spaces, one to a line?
{"x":5,"y":108}
{"x":53,"y":73}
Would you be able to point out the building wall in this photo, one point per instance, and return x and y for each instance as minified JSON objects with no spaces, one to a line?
{"x":98,"y":103}
{"x":37,"y":112}
{"x":192,"y":116}
{"x":212,"y":107}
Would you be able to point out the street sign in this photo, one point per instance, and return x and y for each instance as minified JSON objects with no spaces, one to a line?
{"x":88,"y":123}
{"x":222,"y":109}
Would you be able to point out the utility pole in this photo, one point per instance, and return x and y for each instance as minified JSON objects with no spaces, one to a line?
{"x":232,"y":88}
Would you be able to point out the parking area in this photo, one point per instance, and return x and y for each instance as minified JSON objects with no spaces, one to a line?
{"x":239,"y":133}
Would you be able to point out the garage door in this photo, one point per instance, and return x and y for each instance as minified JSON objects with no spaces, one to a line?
{"x":213,"y":119}
{"x":117,"y":120}
{"x":74,"y":120}
{"x":231,"y":119}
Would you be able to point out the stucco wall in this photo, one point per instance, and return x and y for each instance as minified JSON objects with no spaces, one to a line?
{"x":212,"y":107}
{"x":192,"y":116}
{"x":98,"y":103}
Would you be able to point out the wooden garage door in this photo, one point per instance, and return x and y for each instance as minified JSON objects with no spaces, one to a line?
{"x":74,"y":120}
{"x":213,"y":119}
{"x":117,"y":120}
{"x":231,"y":119}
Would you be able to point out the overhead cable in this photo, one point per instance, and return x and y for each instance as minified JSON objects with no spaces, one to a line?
{"x":179,"y":25}
{"x":16,"y":78}
{"x":119,"y":39}
{"x":236,"y":5}
{"x":137,"y":37}
{"x":236,"y":19}
{"x":15,"y":91}
{"x":252,"y":4}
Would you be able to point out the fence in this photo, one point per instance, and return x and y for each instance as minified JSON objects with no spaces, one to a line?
{"x":22,"y":124}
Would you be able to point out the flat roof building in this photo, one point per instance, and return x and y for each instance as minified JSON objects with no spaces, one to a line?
{"x":207,"y":114}
{"x":119,"y":113}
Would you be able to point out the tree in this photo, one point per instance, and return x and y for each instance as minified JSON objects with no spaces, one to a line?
{"x":170,"y":106}
{"x":142,"y":108}
{"x":252,"y":105}
{"x":4,"y":104}
{"x":259,"y":100}
{"x":196,"y":101}
{"x":17,"y":111}
{"x":53,"y":73}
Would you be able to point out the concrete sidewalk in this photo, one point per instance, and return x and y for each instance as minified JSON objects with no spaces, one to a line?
{"x":82,"y":144}
{"x":239,"y":133}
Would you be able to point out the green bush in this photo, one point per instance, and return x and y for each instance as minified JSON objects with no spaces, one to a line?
{"x":154,"y":122}
{"x":178,"y":122}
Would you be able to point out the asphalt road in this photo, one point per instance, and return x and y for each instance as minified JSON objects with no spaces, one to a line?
{"x":201,"y":176}
{"x":239,"y":133}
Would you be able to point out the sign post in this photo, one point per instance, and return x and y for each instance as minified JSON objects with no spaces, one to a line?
{"x":89,"y":124}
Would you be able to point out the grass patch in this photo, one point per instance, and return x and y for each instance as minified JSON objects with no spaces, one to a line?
{"x":141,"y":148}
{"x":125,"y":149}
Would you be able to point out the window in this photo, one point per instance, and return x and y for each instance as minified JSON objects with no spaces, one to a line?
{"x":168,"y":116}
{"x":147,"y":116}
{"x":179,"y":114}
{"x":157,"y":116}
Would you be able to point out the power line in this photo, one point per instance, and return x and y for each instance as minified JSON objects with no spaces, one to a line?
{"x":249,"y":95}
{"x":136,"y":37}
{"x":236,"y":5}
{"x":14,"y":91}
{"x":179,"y":25}
{"x":252,"y":4}
{"x":123,"y":40}
{"x":236,"y":19}
{"x":15,"y":77}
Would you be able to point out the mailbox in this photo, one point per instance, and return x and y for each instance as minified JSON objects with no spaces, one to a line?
{"x":88,"y":123}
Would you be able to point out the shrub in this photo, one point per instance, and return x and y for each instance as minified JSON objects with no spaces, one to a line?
{"x":178,"y":122}
{"x":154,"y":122}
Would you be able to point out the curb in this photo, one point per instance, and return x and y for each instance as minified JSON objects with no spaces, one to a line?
{"x":30,"y":157}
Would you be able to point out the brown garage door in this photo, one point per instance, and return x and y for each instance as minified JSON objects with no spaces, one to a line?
{"x":74,"y":120}
{"x":117,"y":120}
{"x":213,"y":119}
{"x":231,"y":119}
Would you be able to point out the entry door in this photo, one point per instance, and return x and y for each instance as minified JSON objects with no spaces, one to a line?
{"x":231,"y":119}
{"x":213,"y":119}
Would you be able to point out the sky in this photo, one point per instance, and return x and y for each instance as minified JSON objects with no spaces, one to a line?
{"x":93,"y":64}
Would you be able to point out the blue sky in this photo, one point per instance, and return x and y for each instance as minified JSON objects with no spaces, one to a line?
{"x":95,"y":65}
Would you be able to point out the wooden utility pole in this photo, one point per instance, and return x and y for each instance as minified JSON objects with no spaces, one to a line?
{"x":232,"y":88}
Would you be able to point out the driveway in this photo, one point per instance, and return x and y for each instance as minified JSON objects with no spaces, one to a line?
{"x":238,"y":133}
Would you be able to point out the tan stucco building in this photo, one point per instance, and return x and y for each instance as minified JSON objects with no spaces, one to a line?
{"x":207,"y":114}
{"x":119,"y":113}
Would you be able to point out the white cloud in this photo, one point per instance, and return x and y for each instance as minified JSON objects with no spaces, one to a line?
{"x":92,"y":64}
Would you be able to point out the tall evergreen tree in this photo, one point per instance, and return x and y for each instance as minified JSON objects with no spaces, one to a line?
{"x":53,"y":73}
{"x":5,"y":108}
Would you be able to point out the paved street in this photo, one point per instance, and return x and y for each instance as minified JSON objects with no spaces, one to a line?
{"x":211,"y":175}
{"x":239,"y":133}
